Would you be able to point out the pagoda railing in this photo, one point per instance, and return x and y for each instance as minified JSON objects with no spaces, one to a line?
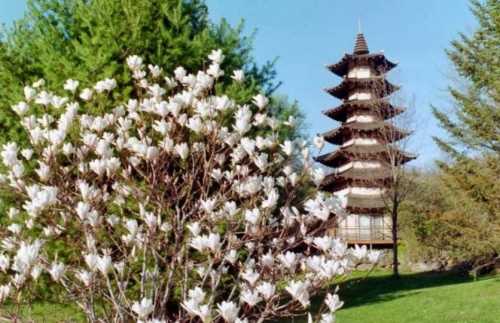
{"x":380,"y":234}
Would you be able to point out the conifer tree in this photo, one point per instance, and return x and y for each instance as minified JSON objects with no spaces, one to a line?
{"x":475,"y":125}
{"x":471,"y":175}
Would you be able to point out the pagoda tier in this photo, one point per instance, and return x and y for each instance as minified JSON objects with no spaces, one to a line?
{"x":379,"y":108}
{"x":376,"y":85}
{"x":366,"y":178}
{"x":375,"y":152}
{"x":377,"y":62}
{"x":363,"y":165}
{"x":382,"y":131}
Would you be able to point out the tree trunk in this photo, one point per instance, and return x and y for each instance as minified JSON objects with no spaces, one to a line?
{"x":395,"y":261}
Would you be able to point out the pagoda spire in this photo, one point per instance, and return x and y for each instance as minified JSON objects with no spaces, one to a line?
{"x":360,"y":47}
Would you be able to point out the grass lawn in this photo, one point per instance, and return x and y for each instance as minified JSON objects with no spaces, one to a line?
{"x":422,"y":298}
{"x":50,"y":313}
{"x":379,"y":298}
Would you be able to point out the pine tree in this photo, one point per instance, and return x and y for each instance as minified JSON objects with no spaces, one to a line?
{"x":89,"y":39}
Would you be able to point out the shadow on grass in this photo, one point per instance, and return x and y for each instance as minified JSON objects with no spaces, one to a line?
{"x":384,"y":287}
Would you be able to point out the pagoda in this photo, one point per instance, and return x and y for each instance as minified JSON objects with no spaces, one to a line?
{"x":362,"y":164}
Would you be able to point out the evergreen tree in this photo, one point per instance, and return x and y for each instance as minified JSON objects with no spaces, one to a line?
{"x":89,"y":40}
{"x":476,"y":123}
{"x":472,"y":175}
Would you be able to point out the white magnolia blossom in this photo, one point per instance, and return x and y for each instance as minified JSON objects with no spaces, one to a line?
{"x":155,"y":70}
{"x":260,"y":101}
{"x":289,"y":260}
{"x":4,"y":262}
{"x":327,"y":318}
{"x":4,"y":292}
{"x":322,"y":207}
{"x":29,"y":93}
{"x":215,"y":70}
{"x":291,"y":121}
{"x":333,"y":302}
{"x":26,"y":257}
{"x":44,"y":98}
{"x":105,"y":85}
{"x":172,"y":204}
{"x":317,"y":174}
{"x":216,"y":56}
{"x":287,"y":147}
{"x":267,"y":290}
{"x":104,"y":264}
{"x":143,"y":308}
{"x":250,"y":297}
{"x":250,"y":276}
{"x":39,"y":83}
{"x":71,"y":85}
{"x":207,"y":242}
{"x":360,"y":252}
{"x":134,"y":62}
{"x":319,"y":142}
{"x":86,"y":94}
{"x":374,"y":256}
{"x":238,"y":76}
{"x":228,"y":310}
{"x":56,"y":271}
{"x":20,"y":108}
{"x":182,"y":150}
{"x":299,"y":291}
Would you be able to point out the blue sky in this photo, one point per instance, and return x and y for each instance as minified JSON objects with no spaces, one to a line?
{"x":306,"y":35}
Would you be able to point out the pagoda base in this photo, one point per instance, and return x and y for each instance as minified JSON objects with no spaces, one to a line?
{"x":364,"y":229}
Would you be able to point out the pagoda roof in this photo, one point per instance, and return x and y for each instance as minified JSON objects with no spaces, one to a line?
{"x":352,"y":152}
{"x":362,"y":204}
{"x":377,"y":129}
{"x":377,"y":85}
{"x":363,"y":177}
{"x":377,"y":61}
{"x":361,"y":57}
{"x":376,"y":107}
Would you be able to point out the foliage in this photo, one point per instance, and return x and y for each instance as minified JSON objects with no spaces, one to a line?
{"x":89,"y":39}
{"x":177,"y":203}
{"x":469,"y":219}
{"x":442,"y":221}
{"x":475,"y":125}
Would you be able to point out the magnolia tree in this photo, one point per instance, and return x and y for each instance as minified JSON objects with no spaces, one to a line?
{"x":179,"y":205}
